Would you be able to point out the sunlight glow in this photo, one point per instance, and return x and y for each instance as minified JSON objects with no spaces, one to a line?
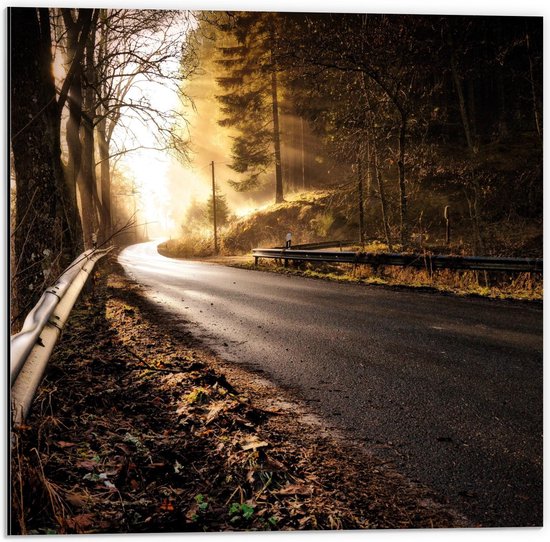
{"x":59,"y":69}
{"x":243,"y":211}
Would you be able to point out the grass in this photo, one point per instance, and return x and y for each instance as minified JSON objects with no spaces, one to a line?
{"x":523,"y":286}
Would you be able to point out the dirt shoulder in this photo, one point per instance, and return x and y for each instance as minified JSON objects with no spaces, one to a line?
{"x":139,"y":427}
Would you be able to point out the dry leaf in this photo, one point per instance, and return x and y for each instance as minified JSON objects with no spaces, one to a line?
{"x":295,"y":489}
{"x":81,"y":522}
{"x":253,"y":444}
{"x":86,"y":464}
{"x":63,"y":444}
{"x":214,"y":412}
{"x":77,"y":499}
{"x":166,"y":506}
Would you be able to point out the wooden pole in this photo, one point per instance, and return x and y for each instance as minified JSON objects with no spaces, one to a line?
{"x":214,"y":210}
{"x":303,"y":155}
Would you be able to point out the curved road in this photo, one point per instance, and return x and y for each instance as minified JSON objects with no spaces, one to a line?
{"x":448,"y":389}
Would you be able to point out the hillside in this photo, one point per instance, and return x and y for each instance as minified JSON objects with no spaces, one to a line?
{"x":333,"y":214}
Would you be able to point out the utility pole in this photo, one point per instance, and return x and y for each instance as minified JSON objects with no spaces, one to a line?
{"x":214,"y":210}
{"x":303,"y":155}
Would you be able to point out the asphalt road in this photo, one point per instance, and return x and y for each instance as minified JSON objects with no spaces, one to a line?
{"x":448,"y":389}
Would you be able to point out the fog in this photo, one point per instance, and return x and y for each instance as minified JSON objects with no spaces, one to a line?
{"x":166,"y":185}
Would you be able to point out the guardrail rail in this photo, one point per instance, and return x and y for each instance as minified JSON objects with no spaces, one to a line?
{"x":322,"y":244}
{"x":424,"y":261}
{"x":30,"y":349}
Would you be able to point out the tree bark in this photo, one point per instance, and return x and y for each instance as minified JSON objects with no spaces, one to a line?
{"x":403,"y":212}
{"x":279,"y":194}
{"x":75,"y":117}
{"x":87,"y":179}
{"x":303,"y":153}
{"x":360,"y":191}
{"x":34,"y":135}
{"x":457,"y":80}
{"x":533,"y":86}
{"x":382,"y":193}
{"x":105,"y":179}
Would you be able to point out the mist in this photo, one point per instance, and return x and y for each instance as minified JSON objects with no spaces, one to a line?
{"x":167,"y":185}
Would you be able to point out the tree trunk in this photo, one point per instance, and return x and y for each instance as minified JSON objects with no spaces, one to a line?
{"x":402,"y":187}
{"x":373,"y":160}
{"x":87,"y":180}
{"x":533,"y":86}
{"x":73,"y":123}
{"x":279,"y":195}
{"x":34,"y":132}
{"x":105,"y":181}
{"x":361,"y":203}
{"x":460,"y":93}
{"x":382,"y":193}
{"x":303,"y":154}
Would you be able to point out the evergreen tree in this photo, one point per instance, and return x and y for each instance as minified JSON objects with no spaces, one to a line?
{"x":251,"y":99}
{"x":222,"y":211}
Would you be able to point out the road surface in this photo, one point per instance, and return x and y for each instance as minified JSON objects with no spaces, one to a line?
{"x":448,"y":389}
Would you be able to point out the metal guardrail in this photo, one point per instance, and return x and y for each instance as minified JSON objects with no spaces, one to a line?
{"x":30,"y":349}
{"x":322,"y":244}
{"x":430,"y":262}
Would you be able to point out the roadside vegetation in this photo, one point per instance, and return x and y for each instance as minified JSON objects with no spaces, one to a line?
{"x":322,"y":215}
{"x":520,"y":286}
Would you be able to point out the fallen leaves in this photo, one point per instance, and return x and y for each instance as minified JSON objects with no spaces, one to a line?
{"x":254,"y":443}
{"x":78,"y":500}
{"x":64,"y":444}
{"x":86,"y":464}
{"x":166,"y":506}
{"x":81,"y":523}
{"x":295,"y":489}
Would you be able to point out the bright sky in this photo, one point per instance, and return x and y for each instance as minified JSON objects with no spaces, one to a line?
{"x":149,"y":168}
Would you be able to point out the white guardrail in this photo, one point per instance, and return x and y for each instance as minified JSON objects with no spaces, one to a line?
{"x":30,"y":349}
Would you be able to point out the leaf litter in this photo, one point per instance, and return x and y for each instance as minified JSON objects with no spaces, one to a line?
{"x":136,"y":429}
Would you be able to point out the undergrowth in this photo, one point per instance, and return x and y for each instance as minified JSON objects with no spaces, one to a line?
{"x":520,"y":286}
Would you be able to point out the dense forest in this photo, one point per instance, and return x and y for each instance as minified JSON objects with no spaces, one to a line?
{"x":406,"y":119}
{"x":402,"y":121}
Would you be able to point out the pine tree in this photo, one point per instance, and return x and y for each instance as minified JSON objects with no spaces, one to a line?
{"x":251,"y":99}
{"x":222,"y":211}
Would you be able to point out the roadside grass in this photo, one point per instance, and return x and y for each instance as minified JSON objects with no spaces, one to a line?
{"x":496,"y":285}
{"x":520,"y":286}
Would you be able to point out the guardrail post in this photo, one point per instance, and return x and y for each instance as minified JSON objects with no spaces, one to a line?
{"x":447,"y":225}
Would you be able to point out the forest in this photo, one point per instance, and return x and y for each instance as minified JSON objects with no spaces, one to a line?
{"x":214,"y":377}
{"x":379,"y":127}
